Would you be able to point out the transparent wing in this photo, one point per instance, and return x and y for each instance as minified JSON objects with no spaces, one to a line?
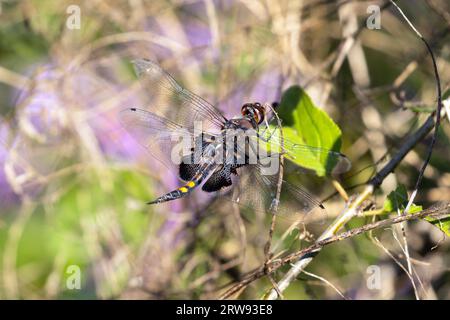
{"x":166,"y":141}
{"x":335,"y":162}
{"x":171,"y":101}
{"x":257,"y":191}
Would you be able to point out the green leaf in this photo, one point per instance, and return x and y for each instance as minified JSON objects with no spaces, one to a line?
{"x":398,"y":200}
{"x":304,"y":123}
{"x":446,"y":95}
{"x":443,"y":224}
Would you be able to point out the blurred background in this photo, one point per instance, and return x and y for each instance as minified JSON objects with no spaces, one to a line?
{"x":73,"y":183}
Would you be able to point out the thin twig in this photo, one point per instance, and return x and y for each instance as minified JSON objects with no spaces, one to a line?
{"x":325,"y":281}
{"x":405,"y":249}
{"x":413,"y":270}
{"x":346,"y":215}
{"x":274,"y":208}
{"x":436,"y":212}
{"x":438,"y":108}
{"x":409,"y":274}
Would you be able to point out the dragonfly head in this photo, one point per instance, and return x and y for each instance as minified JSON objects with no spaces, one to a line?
{"x":254,"y":112}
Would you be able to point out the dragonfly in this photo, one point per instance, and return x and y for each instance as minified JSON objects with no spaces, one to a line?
{"x":237,"y":156}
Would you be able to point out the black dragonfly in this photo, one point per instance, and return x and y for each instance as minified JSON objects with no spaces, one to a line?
{"x":213,"y":160}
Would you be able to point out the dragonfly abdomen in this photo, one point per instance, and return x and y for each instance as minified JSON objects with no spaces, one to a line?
{"x":185,"y":189}
{"x":177,"y":193}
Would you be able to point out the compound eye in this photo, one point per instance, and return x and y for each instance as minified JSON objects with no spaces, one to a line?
{"x":259,"y":112}
{"x":246,"y":109}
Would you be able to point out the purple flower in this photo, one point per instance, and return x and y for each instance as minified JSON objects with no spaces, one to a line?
{"x":7,"y":195}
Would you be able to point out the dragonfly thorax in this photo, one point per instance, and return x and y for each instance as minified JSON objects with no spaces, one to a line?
{"x":238,"y":124}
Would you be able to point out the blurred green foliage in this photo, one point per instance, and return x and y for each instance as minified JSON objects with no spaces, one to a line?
{"x":56,"y":232}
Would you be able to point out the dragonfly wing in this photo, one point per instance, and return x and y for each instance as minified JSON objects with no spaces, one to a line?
{"x":166,"y":141}
{"x":171,"y":101}
{"x":335,"y":162}
{"x":255,"y":189}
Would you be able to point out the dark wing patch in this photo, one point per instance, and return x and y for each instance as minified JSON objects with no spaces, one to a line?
{"x":219,"y":179}
{"x":187,"y":171}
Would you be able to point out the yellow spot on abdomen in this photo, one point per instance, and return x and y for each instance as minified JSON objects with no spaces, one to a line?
{"x":183,"y":189}
{"x":191,"y":184}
